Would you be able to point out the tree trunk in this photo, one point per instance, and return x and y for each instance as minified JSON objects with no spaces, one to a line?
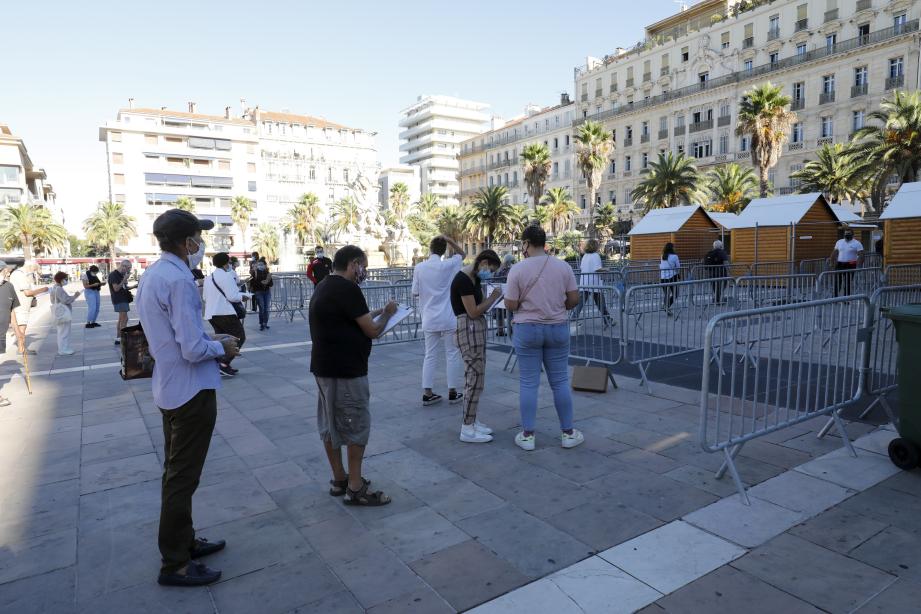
{"x":111,"y":247}
{"x":763,"y":180}
{"x":592,"y":231}
{"x":27,"y":247}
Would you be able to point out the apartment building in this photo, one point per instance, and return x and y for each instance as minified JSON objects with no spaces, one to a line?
{"x":493,"y":158}
{"x":432,"y":131}
{"x":156,"y":156}
{"x":679,"y":88}
{"x":21,"y":181}
{"x":408,"y":175}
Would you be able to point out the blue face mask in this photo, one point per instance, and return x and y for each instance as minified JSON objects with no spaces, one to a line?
{"x":484,"y":275}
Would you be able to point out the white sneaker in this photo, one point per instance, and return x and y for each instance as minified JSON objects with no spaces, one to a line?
{"x":525,"y":443}
{"x":470,"y":434}
{"x":67,"y":353}
{"x":571,"y":441}
{"x":482,"y":428}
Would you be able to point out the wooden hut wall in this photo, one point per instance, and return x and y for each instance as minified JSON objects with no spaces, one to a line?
{"x":820,"y":224}
{"x":773,"y":244}
{"x":902,"y":240}
{"x":648,"y":247}
{"x":696,"y":236}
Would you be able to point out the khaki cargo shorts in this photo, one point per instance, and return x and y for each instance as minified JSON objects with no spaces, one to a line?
{"x":343,"y":417}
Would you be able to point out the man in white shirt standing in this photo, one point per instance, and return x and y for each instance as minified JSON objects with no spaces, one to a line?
{"x":220,"y":291}
{"x":24,"y":281}
{"x":845,"y":256}
{"x":432,"y":285}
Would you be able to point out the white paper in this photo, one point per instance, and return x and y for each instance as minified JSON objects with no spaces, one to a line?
{"x":401,"y":313}
{"x":499,"y":304}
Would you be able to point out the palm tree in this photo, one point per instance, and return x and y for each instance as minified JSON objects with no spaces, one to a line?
{"x":298,"y":221}
{"x":731,"y":187}
{"x":605,"y":221}
{"x":894,"y":144}
{"x":560,"y":208}
{"x":667,"y":182}
{"x":265,"y":242}
{"x":764,"y":115}
{"x":428,"y":204}
{"x":31,"y":227}
{"x":399,"y":205}
{"x":540,"y":214}
{"x":838,"y":172}
{"x":346,"y":216}
{"x":594,"y":149}
{"x":109,"y":225}
{"x":490,"y":216}
{"x":240,"y":209}
{"x":185,"y":203}
{"x":537,"y":165}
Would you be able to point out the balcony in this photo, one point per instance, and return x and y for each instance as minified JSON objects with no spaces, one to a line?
{"x":864,"y":5}
{"x":827,"y":97}
{"x":825,"y":140}
{"x":743,"y":155}
{"x":473,"y":170}
{"x":628,"y":142}
{"x":663,"y":134}
{"x":831,"y":15}
{"x":628,"y":173}
{"x":721,"y":158}
{"x":748,"y":43}
{"x":598,"y":93}
{"x":663,"y":72}
{"x":698,"y":126}
{"x":858,"y":90}
{"x":630,"y":82}
{"x":795,"y":146}
{"x":801,"y":24}
{"x":680,"y":130}
{"x":613,"y":88}
{"x":723,"y":120}
{"x":647,"y":76}
{"x":773,"y":34}
{"x":894,"y":82}
{"x":758,"y":72}
{"x":797,"y":104}
{"x":644,"y":138}
{"x":784,"y":191}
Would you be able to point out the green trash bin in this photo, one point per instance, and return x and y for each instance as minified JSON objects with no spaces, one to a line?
{"x":905,"y":450}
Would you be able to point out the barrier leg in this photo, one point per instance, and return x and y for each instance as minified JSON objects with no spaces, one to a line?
{"x":839,"y":424}
{"x":730,"y":455}
{"x":731,"y":465}
{"x":824,"y":430}
{"x":644,"y":380}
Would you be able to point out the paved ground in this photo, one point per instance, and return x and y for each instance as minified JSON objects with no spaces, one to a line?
{"x":632,"y":519}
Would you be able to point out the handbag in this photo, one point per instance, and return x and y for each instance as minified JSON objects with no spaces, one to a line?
{"x":238,"y":308}
{"x":137,"y":363}
{"x":61,"y":313}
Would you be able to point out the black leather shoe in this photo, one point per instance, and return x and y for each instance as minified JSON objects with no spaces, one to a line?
{"x":203,"y":547}
{"x":196,"y":575}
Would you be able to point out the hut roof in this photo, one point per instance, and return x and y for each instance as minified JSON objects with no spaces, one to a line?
{"x":844,"y":214}
{"x":669,"y":219}
{"x":726,"y":220}
{"x":905,"y":203}
{"x":778,"y":210}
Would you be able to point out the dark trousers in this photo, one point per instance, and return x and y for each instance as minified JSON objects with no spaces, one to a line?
{"x":671,"y":292}
{"x":186,"y":434}
{"x":229,"y":325}
{"x":845,"y":278}
{"x":261,"y":299}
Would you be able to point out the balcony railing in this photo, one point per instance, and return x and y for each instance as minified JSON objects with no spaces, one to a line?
{"x":598,"y":93}
{"x":795,"y":146}
{"x":723,"y":120}
{"x":721,"y":158}
{"x":680,"y":130}
{"x":628,"y":173}
{"x":825,"y":140}
{"x":864,"y":5}
{"x":663,"y":134}
{"x":663,"y":72}
{"x":471,"y":170}
{"x":894,"y":82}
{"x":831,"y":15}
{"x":698,"y":126}
{"x":748,"y":43}
{"x":503,"y":162}
{"x":773,"y":34}
{"x":759,"y":71}
{"x":628,"y":142}
{"x":644,"y":138}
{"x":613,"y":88}
{"x":647,"y":76}
{"x":743,"y":155}
{"x":827,"y":97}
{"x":797,"y":104}
{"x":858,"y":90}
{"x":630,"y":82}
{"x":801,"y":24}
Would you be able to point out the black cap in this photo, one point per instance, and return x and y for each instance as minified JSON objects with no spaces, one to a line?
{"x":177,"y":224}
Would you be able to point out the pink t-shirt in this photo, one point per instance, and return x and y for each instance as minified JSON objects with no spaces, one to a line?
{"x":545,"y":301}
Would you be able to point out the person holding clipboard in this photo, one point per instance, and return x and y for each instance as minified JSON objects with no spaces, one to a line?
{"x":469,"y":306}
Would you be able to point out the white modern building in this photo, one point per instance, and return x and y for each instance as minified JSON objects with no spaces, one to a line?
{"x":492,"y":158}
{"x":679,"y":89}
{"x":408,"y":175}
{"x":21,"y":181}
{"x":156,"y":156}
{"x":432,"y":130}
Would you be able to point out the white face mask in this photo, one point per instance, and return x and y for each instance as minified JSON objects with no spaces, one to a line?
{"x":196,"y":258}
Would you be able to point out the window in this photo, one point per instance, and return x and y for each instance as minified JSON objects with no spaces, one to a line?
{"x":797,"y":132}
{"x":724,"y":40}
{"x":13,"y":194}
{"x":116,"y":137}
{"x":679,"y":121}
{"x":119,"y":179}
{"x":828,"y":84}
{"x":860,"y":75}
{"x":828,"y":126}
{"x":645,"y":160}
{"x":665,"y":62}
{"x":610,"y":196}
{"x":703,"y":149}
{"x":566,"y":169}
{"x":703,"y":77}
{"x":724,"y":110}
{"x":801,"y":12}
{"x":680,"y":149}
{"x":743,"y":144}
{"x":724,"y":143}
{"x":9,"y":174}
{"x":644,"y":129}
{"x":684,"y":54}
{"x":251,"y":186}
{"x":629,"y":132}
{"x":831,"y":40}
{"x":490,"y":182}
{"x":863,"y":31}
{"x":556,"y":143}
{"x":774,"y":57}
{"x":118,"y":158}
{"x":799,"y":90}
{"x":663,"y":122}
{"x":899,"y":21}
{"x":858,"y":118}
{"x":627,"y":199}
{"x":748,"y":66}
{"x":613,"y":167}
{"x":345,"y":175}
{"x":150,"y":139}
{"x":896,"y":67}
{"x":749,"y":33}
{"x":250,"y":167}
{"x":566,"y":140}
{"x":223,"y":165}
{"x":628,"y":166}
{"x":774,"y":24}
{"x":120,"y":198}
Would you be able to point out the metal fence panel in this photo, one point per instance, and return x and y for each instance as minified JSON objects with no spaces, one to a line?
{"x":704,"y":271}
{"x":767,"y":290}
{"x":813,"y":266}
{"x":408,"y":329}
{"x":902,"y":275}
{"x":786,"y":267}
{"x":847,"y":282}
{"x":596,"y":325}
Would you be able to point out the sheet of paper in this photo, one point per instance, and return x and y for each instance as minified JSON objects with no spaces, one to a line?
{"x":401,"y":314}
{"x":487,"y":290}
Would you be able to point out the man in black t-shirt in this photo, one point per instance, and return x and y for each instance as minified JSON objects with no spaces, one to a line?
{"x":9,"y":301}
{"x":341,"y":329}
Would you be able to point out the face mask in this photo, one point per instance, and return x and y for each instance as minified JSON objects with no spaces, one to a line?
{"x":361,"y":276}
{"x":484,"y":274}
{"x":319,"y":254}
{"x":848,"y":237}
{"x":260,"y":267}
{"x":196,"y":258}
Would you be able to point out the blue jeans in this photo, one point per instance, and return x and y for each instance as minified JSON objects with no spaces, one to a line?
{"x":546,"y":344}
{"x":262,"y":302}
{"x":92,"y":305}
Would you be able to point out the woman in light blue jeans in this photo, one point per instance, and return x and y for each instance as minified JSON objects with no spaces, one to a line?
{"x":539,"y":291}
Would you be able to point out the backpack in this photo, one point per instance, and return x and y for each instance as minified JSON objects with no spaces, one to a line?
{"x":712,"y":258}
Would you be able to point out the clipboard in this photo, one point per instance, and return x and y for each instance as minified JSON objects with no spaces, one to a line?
{"x":401,"y":314}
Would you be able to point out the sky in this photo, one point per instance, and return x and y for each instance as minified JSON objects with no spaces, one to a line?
{"x":69,"y":66}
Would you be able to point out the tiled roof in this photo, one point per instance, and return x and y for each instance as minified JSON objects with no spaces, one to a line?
{"x":293,"y":118}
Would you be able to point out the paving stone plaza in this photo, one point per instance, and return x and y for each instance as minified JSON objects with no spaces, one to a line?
{"x":633,"y":520}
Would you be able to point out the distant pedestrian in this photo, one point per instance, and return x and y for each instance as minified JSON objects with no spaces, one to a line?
{"x":185,"y":383}
{"x":253,"y":259}
{"x":25,"y":281}
{"x":591,"y":283}
{"x":715,"y":262}
{"x":319,"y":267}
{"x":669,"y":272}
{"x":121,"y":296}
{"x":432,"y":285}
{"x":221,"y":292}
{"x":9,"y":301}
{"x":539,"y":292}
{"x":847,"y":253}
{"x":62,"y":310}
{"x":91,"y":288}
{"x":260,"y":284}
{"x":341,"y":329}
{"x":470,"y":306}
{"x":503,"y":324}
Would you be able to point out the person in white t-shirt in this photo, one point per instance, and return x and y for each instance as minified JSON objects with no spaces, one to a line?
{"x":588,"y":278}
{"x":432,"y":285}
{"x":845,"y":256}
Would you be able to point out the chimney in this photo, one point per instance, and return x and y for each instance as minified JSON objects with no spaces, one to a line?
{"x":564,"y":98}
{"x":191,"y":107}
{"x":226,"y":112}
{"x":243,"y":106}
{"x":131,"y":103}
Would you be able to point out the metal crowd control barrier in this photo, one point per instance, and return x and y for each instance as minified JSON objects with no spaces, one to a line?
{"x":786,"y":267}
{"x":290,"y":295}
{"x":902,"y":275}
{"x":667,"y":320}
{"x":813,"y":266}
{"x":847,"y":282}
{"x":781,"y":387}
{"x":596,"y":326}
{"x":708,"y":271}
{"x":872,"y":259}
{"x":652,"y":275}
{"x":600,"y":278}
{"x":408,"y":329}
{"x":754,"y":291}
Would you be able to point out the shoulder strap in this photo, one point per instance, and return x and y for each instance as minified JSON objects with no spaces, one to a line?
{"x":219,"y":288}
{"x":533,"y":281}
